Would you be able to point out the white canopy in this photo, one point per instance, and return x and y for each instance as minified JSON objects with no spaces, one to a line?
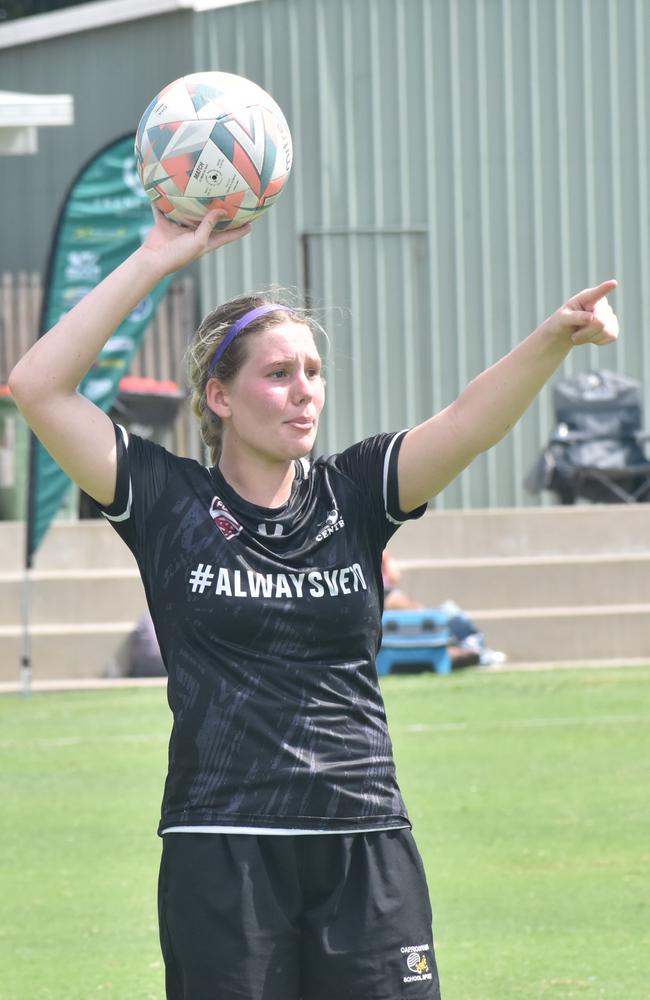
{"x":22,"y":114}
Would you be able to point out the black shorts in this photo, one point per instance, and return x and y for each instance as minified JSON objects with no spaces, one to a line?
{"x":314,"y":917}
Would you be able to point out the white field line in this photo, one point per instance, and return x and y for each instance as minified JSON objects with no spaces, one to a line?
{"x":542,"y":723}
{"x":74,"y":741}
{"x":442,"y":727}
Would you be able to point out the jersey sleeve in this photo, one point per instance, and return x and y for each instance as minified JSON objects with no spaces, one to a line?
{"x":143,"y":469}
{"x":372,"y":465}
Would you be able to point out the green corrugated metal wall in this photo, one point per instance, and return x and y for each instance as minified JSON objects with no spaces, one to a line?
{"x":461,"y":166}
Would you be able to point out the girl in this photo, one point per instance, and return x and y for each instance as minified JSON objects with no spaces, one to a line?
{"x":288,"y":867}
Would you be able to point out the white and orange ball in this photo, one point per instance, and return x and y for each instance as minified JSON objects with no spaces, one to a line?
{"x":213,"y":140}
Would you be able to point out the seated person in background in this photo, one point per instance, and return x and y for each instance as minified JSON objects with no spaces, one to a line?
{"x":139,"y":654}
{"x":394,"y":598}
{"x":467,"y":645}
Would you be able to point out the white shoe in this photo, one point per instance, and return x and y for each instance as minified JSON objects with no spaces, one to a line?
{"x":490,"y":657}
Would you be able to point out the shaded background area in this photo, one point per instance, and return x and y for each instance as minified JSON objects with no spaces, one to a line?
{"x":460,"y":169}
{"x":11,"y":9}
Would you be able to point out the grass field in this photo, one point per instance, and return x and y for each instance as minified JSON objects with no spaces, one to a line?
{"x":530,"y":799}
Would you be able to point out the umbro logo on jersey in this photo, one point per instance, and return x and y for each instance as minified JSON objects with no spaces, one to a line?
{"x":228,"y":525}
{"x":331,"y":524}
{"x":270,"y":530}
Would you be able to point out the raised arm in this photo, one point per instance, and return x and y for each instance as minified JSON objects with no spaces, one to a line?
{"x":44,"y":382}
{"x":435,"y":452}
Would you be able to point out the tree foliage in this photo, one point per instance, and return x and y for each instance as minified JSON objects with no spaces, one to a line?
{"x":10,"y":10}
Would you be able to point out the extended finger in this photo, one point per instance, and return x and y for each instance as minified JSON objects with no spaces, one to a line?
{"x":588,"y":297}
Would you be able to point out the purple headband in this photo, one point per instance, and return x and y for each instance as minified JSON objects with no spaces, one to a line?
{"x":240,"y":325}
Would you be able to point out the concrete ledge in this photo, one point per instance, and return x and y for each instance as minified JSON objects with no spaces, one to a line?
{"x":73,"y":596}
{"x":57,"y":652}
{"x":528,"y":582}
{"x":553,"y":584}
{"x":603,"y":632}
{"x":68,"y":545}
{"x":538,"y":531}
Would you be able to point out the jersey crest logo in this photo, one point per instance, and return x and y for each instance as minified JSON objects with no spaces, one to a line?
{"x":228,"y":525}
{"x":333,"y":522}
{"x":332,"y":517}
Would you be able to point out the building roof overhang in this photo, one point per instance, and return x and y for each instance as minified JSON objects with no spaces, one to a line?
{"x":101,"y":14}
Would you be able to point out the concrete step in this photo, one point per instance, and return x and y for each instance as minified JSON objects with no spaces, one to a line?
{"x":547,"y":581}
{"x":68,"y":545}
{"x":603,"y":632}
{"x":73,"y":596}
{"x":544,"y":584}
{"x":525,"y":533}
{"x":83,"y":545}
{"x":507,"y":532}
{"x":63,"y":652}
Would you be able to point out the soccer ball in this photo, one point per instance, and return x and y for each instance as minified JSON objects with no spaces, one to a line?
{"x":213,"y":140}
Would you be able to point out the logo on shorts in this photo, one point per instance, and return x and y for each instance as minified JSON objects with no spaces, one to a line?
{"x":228,"y":525}
{"x":417,"y":962}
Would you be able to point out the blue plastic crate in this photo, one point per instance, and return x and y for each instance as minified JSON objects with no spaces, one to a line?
{"x":414,"y":637}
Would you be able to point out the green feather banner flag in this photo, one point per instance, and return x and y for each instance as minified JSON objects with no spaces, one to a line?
{"x":105,"y":217}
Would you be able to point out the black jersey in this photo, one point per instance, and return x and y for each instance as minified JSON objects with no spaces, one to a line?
{"x":268,"y":621}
